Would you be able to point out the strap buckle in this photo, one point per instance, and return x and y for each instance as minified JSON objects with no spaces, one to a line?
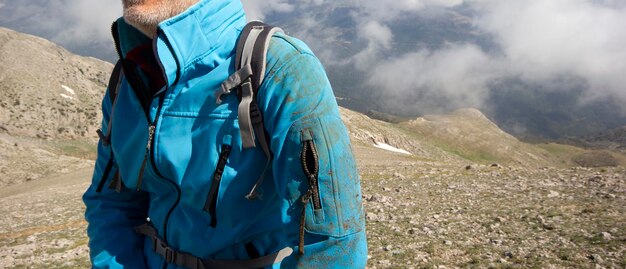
{"x":240,"y":76}
{"x":224,"y":90}
{"x":168,"y":253}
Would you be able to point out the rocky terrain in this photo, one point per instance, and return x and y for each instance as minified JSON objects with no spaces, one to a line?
{"x":420,"y":214}
{"x":434,"y":215}
{"x":47,"y":92}
{"x":441,"y":191}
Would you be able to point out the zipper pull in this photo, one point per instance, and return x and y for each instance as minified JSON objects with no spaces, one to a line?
{"x":151,"y":130}
{"x":313,"y":183}
{"x":305,"y":200}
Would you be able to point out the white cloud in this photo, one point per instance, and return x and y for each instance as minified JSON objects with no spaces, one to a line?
{"x":458,"y":73}
{"x":390,"y":10}
{"x":82,"y":26}
{"x":539,"y":41}
{"x":376,"y":33}
{"x":542,"y":39}
{"x":89,"y":20}
{"x":258,"y":10}
{"x":378,"y":37}
{"x":64,"y":21}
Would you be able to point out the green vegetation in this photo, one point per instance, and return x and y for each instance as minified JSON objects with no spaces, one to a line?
{"x":79,"y":148}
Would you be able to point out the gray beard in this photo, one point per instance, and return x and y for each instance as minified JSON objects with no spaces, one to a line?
{"x":146,"y":19}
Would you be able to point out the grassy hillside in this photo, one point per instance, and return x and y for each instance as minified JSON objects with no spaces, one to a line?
{"x":470,"y":135}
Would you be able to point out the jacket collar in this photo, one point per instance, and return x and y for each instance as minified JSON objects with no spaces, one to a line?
{"x":198,"y":38}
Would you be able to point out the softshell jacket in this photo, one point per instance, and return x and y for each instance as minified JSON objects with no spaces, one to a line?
{"x":181,"y":134}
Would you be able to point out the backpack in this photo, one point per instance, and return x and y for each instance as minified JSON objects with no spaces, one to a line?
{"x":250,"y":61}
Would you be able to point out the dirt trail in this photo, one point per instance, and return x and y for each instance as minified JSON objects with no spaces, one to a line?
{"x":80,"y":177}
{"x":41,"y":223}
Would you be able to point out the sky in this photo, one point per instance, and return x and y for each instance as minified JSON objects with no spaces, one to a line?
{"x":536,"y":40}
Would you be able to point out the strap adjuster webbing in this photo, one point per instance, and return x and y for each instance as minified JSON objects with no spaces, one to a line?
{"x":246,"y":129}
{"x":162,"y":248}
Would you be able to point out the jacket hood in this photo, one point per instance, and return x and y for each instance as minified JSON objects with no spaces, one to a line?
{"x":201,"y":35}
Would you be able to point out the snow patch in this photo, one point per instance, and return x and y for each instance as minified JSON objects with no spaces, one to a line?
{"x":67,"y":96}
{"x":68,"y":89}
{"x":390,"y":148}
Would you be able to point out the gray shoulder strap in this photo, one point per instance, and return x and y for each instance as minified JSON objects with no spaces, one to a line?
{"x":250,"y":62}
{"x":254,"y":54}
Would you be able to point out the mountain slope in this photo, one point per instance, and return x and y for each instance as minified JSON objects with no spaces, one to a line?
{"x":471,"y":135}
{"x":367,"y":132}
{"x":47,"y":92}
{"x":49,"y":108}
{"x":614,"y":139}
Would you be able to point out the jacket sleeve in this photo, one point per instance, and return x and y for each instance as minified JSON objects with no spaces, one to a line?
{"x":111,"y":216}
{"x":308,"y":137}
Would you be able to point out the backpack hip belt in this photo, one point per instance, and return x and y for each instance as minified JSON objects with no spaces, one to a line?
{"x":187,"y":260}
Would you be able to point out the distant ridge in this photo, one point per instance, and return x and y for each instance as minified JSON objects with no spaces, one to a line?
{"x":471,"y":135}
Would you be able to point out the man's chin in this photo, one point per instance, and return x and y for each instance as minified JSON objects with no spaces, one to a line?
{"x":148,"y":29}
{"x":146,"y":17}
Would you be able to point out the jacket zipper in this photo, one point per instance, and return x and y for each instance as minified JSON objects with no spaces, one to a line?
{"x":152,"y":156}
{"x":150,"y":153}
{"x":151,"y":133}
{"x":211,"y":203}
{"x":151,"y":129}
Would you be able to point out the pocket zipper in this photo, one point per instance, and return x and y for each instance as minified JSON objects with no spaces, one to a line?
{"x":211,"y":202}
{"x":310,"y":166}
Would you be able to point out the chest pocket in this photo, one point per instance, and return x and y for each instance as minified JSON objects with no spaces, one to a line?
{"x":323,"y":168}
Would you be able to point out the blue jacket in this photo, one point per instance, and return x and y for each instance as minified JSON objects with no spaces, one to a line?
{"x":195,"y":51}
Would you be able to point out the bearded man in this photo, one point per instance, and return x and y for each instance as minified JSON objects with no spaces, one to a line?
{"x":175,"y":186}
